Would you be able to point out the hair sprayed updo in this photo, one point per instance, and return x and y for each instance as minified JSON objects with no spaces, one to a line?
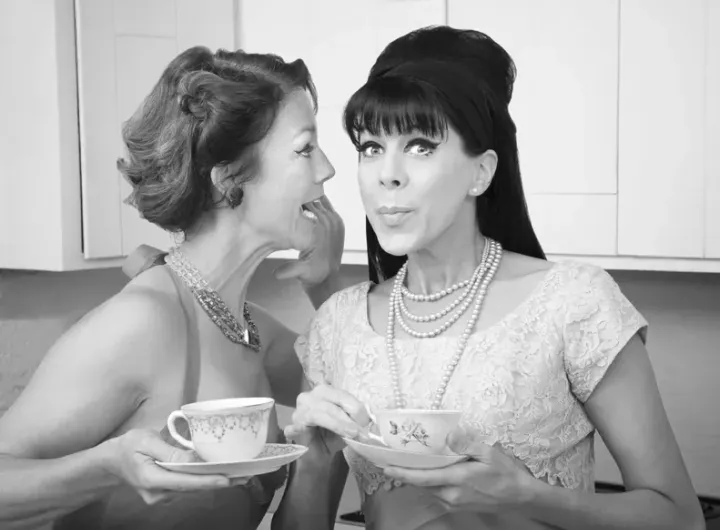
{"x":431,"y":79}
{"x":208,"y":110}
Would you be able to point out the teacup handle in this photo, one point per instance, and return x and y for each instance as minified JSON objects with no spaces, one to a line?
{"x":174,"y":416}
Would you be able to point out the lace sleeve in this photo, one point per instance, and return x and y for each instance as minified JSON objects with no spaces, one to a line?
{"x":599,"y":322}
{"x":315,"y":346}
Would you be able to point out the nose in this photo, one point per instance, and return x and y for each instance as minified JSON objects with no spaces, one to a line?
{"x":325,"y":171}
{"x":392,"y":172}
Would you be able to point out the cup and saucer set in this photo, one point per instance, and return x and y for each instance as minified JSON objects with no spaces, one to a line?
{"x":409,"y":438}
{"x":229,"y":437}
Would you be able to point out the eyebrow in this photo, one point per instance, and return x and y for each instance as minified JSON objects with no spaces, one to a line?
{"x":310,"y":128}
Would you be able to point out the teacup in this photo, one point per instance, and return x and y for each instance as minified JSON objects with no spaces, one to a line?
{"x":417,"y":430}
{"x":224,"y":430}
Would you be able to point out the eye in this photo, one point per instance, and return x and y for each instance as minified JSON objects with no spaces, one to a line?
{"x":306,"y":151}
{"x":369,"y":149}
{"x":421,"y":147}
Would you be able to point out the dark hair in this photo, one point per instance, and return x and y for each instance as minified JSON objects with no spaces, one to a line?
{"x":207,"y":110}
{"x":439,"y":76}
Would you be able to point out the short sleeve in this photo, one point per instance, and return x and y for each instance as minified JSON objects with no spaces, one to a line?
{"x":599,"y":322}
{"x":315,"y":346}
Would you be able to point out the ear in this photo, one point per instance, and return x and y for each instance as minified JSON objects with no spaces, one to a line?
{"x":485,"y":166}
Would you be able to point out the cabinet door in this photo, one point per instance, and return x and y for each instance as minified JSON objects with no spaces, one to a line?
{"x":122,"y":48}
{"x":662,"y":128}
{"x":565,"y":98}
{"x":575,"y":224}
{"x":712,"y":132}
{"x":339,"y":45}
{"x":39,"y":163}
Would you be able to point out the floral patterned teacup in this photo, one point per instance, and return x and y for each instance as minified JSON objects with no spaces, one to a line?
{"x":224,"y":430}
{"x":417,"y":430}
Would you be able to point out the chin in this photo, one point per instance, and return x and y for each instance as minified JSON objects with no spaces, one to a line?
{"x":398,"y":244}
{"x":302,"y":238}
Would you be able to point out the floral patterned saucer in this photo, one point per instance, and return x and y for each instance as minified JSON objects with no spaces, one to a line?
{"x":382,"y":456}
{"x":270,"y":459}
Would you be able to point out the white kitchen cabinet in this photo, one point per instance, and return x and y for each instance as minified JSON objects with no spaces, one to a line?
{"x":122,"y":48}
{"x":565,"y":98}
{"x":39,"y":175}
{"x":579,"y":225}
{"x":61,"y":196}
{"x":616,"y":103}
{"x":662,"y":128}
{"x":339,"y":45}
{"x":565,"y":107}
{"x":712,"y":131}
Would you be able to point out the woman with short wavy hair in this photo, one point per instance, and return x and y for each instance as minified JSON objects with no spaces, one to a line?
{"x":224,"y":152}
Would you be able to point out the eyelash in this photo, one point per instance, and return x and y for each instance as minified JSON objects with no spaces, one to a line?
{"x":420,"y":142}
{"x":306,"y":151}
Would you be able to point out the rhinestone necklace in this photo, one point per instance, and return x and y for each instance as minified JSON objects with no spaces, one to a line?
{"x":489,"y":265}
{"x":212,"y":304}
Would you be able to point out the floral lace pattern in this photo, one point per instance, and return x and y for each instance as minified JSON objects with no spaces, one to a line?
{"x":521,"y":382}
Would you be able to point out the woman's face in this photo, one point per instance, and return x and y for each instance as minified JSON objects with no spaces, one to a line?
{"x":416,"y":189}
{"x":292,"y":170}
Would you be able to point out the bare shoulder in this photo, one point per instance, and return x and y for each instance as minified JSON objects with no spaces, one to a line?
{"x":135,"y":327}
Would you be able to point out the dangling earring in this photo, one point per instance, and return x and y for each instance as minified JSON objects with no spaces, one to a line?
{"x":235,"y":197}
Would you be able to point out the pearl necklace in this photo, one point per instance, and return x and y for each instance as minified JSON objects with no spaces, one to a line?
{"x":466,"y":299}
{"x":212,"y":304}
{"x":492,"y":263}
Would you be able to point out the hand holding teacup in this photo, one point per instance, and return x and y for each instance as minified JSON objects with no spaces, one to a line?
{"x":325,"y":415}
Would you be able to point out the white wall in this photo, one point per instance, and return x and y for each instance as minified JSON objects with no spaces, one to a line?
{"x":683,"y":311}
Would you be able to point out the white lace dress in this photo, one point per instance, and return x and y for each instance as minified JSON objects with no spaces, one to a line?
{"x":521,"y":382}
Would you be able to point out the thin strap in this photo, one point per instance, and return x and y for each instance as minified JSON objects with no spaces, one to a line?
{"x":141,"y":259}
{"x":146,"y":257}
{"x":192,"y":372}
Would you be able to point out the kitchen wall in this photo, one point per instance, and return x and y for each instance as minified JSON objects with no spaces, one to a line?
{"x":684,"y":341}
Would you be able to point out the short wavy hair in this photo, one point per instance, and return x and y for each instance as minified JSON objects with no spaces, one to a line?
{"x":207,"y":110}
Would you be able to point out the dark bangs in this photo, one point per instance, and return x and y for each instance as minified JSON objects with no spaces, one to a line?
{"x":395,"y":105}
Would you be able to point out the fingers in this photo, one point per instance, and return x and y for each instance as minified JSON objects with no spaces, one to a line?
{"x":294,"y":431}
{"x":352,"y":407}
{"x":464,"y":442}
{"x":326,"y":214}
{"x":455,"y":475}
{"x":290,"y":269}
{"x":328,"y":416}
{"x":153,"y":478}
{"x":151,"y":444}
{"x":325,"y":202}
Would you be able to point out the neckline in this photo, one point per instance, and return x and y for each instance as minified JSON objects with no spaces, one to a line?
{"x":536,"y":291}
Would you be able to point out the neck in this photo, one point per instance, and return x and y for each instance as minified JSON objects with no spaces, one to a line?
{"x":228,"y":266}
{"x":447,"y":263}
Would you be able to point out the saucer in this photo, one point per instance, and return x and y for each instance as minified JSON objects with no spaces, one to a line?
{"x":383,"y":456}
{"x":271,"y":458}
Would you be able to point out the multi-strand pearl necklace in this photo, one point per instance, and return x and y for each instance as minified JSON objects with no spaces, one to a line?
{"x":476,"y":288}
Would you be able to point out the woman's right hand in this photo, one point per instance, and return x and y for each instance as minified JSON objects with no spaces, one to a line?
{"x":131,"y":458}
{"x":325,"y":415}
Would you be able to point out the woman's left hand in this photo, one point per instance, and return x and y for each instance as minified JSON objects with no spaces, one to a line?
{"x":322,"y":260}
{"x":490,"y":482}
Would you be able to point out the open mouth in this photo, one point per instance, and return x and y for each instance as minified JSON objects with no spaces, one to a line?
{"x":306,"y":213}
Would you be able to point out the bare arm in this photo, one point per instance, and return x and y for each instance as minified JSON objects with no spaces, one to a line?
{"x":313,"y":493}
{"x":319,"y":293}
{"x":627,"y":410}
{"x":54,"y":457}
{"x":282,"y":366}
